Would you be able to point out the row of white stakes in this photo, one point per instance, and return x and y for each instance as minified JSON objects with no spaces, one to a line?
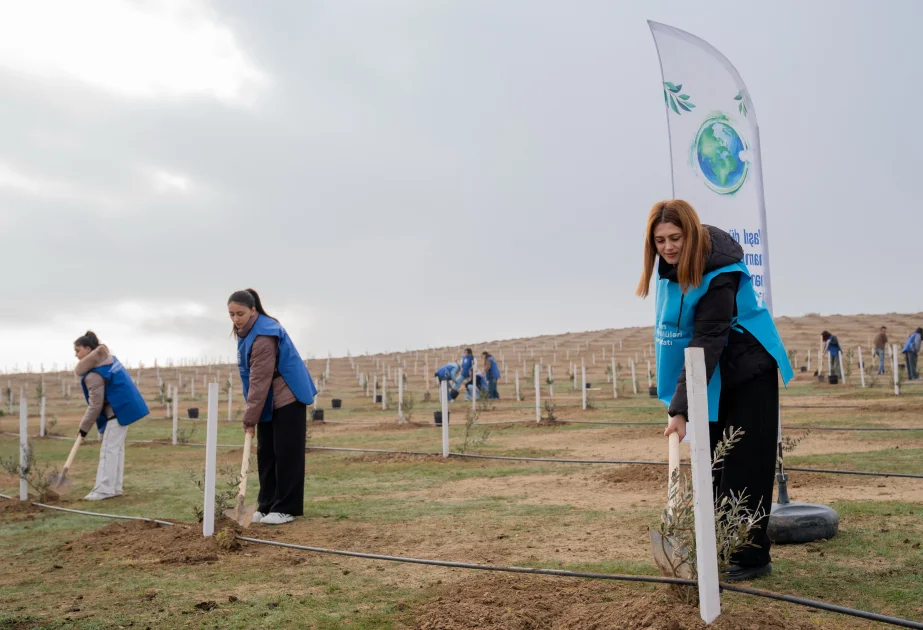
{"x":709,"y":597}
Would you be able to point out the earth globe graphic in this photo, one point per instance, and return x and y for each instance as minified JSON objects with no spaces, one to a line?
{"x":717,"y":152}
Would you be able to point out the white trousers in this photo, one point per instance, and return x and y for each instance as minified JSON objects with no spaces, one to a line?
{"x":111,"y":460}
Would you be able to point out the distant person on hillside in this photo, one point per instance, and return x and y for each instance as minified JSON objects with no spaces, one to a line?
{"x":449,"y":373}
{"x":481,"y":387}
{"x":832,"y":346}
{"x":881,"y":342}
{"x":493,"y":374}
{"x":705,"y":299}
{"x":911,"y":352}
{"x":111,"y":395}
{"x":278,"y":389}
{"x":465,"y":372}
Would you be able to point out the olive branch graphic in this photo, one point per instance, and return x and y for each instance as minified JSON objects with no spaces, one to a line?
{"x":679,"y":103}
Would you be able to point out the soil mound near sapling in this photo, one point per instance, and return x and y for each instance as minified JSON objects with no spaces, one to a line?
{"x":536,"y":603}
{"x":645,"y":474}
{"x":12,"y":511}
{"x":142,"y":541}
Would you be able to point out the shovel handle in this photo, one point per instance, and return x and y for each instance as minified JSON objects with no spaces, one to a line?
{"x":245,"y":464}
{"x":70,"y":457}
{"x":674,"y":463}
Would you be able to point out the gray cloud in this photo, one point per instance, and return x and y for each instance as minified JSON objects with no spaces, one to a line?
{"x":426,"y":173}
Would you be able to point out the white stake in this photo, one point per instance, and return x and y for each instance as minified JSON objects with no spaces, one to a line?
{"x":518,"y":398}
{"x":474,"y":385}
{"x":550,"y":383}
{"x":444,"y":397}
{"x":375,"y":389}
{"x":583,"y":370}
{"x":703,"y":500}
{"x":211,"y":453}
{"x":897,"y":386}
{"x":538,"y":398}
{"x":175,"y":413}
{"x":384,"y":394}
{"x":861,"y":368}
{"x":634,"y":378}
{"x":230,"y":401}
{"x":400,"y":396}
{"x":809,"y":361}
{"x":41,"y":425}
{"x":615,"y":381}
{"x":650,"y":382}
{"x":842,"y":371}
{"x":23,"y":443}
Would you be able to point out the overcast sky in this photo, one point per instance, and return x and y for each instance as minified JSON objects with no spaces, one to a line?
{"x":416,"y":173}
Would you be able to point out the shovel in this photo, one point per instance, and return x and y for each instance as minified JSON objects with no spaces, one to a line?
{"x":240,"y":513}
{"x":669,"y":555}
{"x":59,"y":484}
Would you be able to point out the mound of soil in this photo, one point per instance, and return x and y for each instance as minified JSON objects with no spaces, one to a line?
{"x":636,"y":474}
{"x":149,"y":542}
{"x":532,"y":603}
{"x":15,"y":510}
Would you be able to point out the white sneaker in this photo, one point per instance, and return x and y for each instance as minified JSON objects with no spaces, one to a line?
{"x":95,"y":496}
{"x":277,"y":518}
{"x":257,"y":517}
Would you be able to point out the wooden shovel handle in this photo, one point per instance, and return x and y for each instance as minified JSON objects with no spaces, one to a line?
{"x":674,"y":460}
{"x":245,"y":464}
{"x":70,"y":457}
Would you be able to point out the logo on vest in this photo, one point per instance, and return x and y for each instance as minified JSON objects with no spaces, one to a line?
{"x":665,"y":336}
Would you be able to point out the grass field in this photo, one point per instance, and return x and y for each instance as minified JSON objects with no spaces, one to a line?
{"x":67,"y":570}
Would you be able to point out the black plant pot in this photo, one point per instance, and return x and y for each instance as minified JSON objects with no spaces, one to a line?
{"x":193,"y":412}
{"x":337,"y":403}
{"x":437,"y":417}
{"x":803,"y":369}
{"x":589,"y":385}
{"x":820,"y":378}
{"x":317,"y":415}
{"x":378,"y":398}
{"x":652,"y":391}
{"x":833,"y":379}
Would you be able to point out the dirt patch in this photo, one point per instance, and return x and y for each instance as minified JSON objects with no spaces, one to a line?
{"x":141,"y":541}
{"x":395,"y":458}
{"x":544,"y":424}
{"x":640,"y":474}
{"x":533,"y":603}
{"x":14,"y":510}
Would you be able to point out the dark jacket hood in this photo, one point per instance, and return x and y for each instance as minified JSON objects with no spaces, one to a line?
{"x":724,"y":251}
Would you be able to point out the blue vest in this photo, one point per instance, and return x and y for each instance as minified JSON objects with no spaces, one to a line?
{"x":675,"y":326}
{"x":466,"y":366}
{"x":447,"y":372}
{"x":288,"y":364}
{"x":121,"y":393}
{"x":493,"y":371}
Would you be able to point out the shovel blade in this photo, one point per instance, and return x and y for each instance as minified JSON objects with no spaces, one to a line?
{"x":242,"y":514}
{"x":668,"y":556}
{"x":57,"y":485}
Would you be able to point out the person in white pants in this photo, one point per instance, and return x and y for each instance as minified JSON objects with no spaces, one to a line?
{"x":113,"y":403}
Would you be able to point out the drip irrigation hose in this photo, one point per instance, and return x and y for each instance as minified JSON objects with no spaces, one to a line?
{"x":85,"y":513}
{"x":897,"y":621}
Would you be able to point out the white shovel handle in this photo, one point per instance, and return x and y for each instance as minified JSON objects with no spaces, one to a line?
{"x":70,"y":457}
{"x":245,"y":464}
{"x":674,"y":461}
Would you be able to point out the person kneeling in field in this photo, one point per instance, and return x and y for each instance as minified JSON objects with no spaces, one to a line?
{"x":278,"y":389}
{"x":448,"y":373}
{"x":111,"y":395}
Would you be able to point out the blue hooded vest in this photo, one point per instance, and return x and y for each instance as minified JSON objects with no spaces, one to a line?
{"x":447,"y":371}
{"x":675,"y":326}
{"x":493,"y":371}
{"x":466,"y":366}
{"x":288,"y":364}
{"x":121,"y":393}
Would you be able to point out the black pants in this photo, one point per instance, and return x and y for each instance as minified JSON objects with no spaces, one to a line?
{"x":280,"y":459}
{"x":750,"y":465}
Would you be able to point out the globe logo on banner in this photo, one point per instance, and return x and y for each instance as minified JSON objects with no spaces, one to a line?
{"x":719,"y":155}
